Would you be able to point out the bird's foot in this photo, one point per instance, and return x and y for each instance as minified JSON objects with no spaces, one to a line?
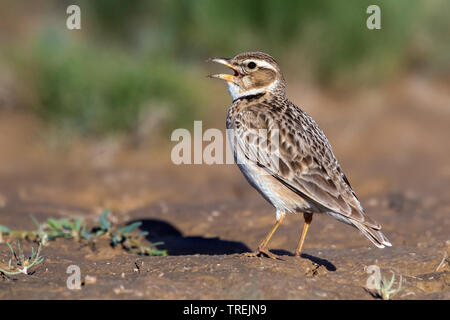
{"x":262,"y":252}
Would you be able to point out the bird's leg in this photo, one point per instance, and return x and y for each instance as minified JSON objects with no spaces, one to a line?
{"x":308,"y":219}
{"x":262,"y":250}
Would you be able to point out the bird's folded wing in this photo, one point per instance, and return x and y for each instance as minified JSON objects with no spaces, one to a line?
{"x":293,"y":162}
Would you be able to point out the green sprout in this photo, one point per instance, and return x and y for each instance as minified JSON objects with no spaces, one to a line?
{"x":131,"y":242}
{"x":385,"y":290}
{"x":3,"y":230}
{"x":136,"y":248}
{"x":62,"y":228}
{"x":39,"y":233}
{"x":18,"y":263}
{"x":124,"y":233}
{"x":105,"y":225}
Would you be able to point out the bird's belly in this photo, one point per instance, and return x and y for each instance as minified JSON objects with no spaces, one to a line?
{"x":282,"y":198}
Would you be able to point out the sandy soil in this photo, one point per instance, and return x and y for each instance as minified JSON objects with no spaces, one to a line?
{"x":392,"y":144}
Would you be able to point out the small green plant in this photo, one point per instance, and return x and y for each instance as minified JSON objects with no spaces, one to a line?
{"x":105,"y":225}
{"x":124,"y":233}
{"x":76,"y":230}
{"x":39,"y":234}
{"x":129,"y":240}
{"x":61,"y":228}
{"x":385,"y":290}
{"x":18,"y":263}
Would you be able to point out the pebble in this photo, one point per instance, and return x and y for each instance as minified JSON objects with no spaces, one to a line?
{"x":90,"y":279}
{"x":215,"y":213}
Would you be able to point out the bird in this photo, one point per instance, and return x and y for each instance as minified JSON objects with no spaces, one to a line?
{"x":283,"y":153}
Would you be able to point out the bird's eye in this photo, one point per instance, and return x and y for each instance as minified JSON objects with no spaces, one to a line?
{"x":251,"y":65}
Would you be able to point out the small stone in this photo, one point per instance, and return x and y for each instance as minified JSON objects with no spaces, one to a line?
{"x":215,"y":213}
{"x":119,"y":290}
{"x":90,"y":279}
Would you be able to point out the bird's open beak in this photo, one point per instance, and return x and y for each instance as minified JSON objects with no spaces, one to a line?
{"x":224,"y":76}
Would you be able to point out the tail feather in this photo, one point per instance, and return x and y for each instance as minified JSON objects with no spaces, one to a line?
{"x":372,"y":234}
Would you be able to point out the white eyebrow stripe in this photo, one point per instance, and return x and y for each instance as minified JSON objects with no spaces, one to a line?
{"x":261,"y":63}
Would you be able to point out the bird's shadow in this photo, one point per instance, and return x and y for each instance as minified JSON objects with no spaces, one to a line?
{"x":321,"y":262}
{"x":177,"y":244}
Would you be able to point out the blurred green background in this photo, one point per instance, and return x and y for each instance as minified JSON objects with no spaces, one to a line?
{"x":141,"y":61}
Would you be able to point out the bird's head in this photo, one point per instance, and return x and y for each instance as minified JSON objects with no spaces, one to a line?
{"x":254,"y":73}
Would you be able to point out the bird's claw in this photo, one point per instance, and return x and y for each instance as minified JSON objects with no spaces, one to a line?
{"x":262,"y":252}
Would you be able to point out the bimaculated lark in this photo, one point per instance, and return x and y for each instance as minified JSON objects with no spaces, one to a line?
{"x":283,"y":153}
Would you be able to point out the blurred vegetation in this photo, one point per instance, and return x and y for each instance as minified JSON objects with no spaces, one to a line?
{"x":135,"y":59}
{"x":101,"y":89}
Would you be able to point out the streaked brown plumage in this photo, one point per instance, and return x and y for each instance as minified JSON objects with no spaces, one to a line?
{"x":283,"y":153}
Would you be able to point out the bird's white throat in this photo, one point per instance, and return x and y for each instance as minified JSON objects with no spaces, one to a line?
{"x":237,"y":92}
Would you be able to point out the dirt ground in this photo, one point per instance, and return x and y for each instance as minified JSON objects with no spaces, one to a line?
{"x":392,"y":143}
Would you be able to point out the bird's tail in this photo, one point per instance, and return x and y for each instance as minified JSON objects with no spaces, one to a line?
{"x":372,"y":234}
